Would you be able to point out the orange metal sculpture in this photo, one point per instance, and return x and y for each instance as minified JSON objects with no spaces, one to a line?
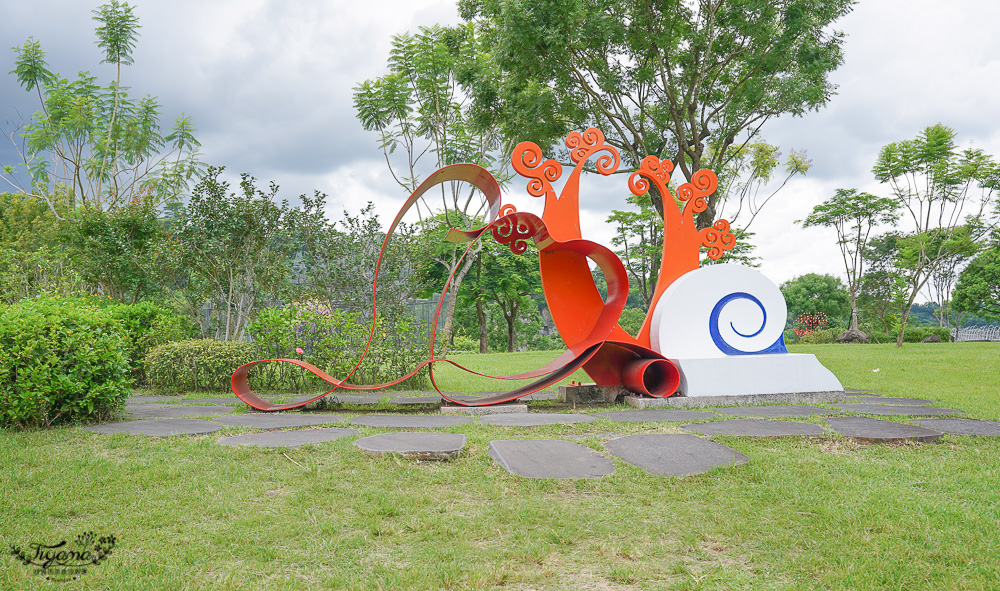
{"x":587,"y":323}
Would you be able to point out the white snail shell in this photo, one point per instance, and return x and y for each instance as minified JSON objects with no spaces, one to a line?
{"x":717,"y":311}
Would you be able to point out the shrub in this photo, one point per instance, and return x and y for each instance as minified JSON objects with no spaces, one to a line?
{"x":146,"y":325}
{"x":809,"y":322}
{"x":631,"y":320}
{"x":59,"y":361}
{"x":195,"y":364}
{"x":915,"y":335}
{"x":821,"y":337}
{"x":332,"y":340}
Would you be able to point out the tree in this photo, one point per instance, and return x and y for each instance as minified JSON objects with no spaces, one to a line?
{"x":978,"y":289}
{"x":639,"y":242}
{"x":510,"y":281}
{"x":237,"y":250}
{"x":941,"y":190}
{"x":691,"y":82}
{"x":96,"y":143}
{"x":812,"y":294}
{"x":419,"y":110}
{"x":853,"y":216}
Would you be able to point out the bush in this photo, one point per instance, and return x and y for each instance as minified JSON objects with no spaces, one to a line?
{"x":912,"y":334}
{"x":333,"y":340}
{"x":195,"y":364}
{"x":631,"y":320}
{"x":821,"y":337}
{"x":146,"y":325}
{"x":59,"y":361}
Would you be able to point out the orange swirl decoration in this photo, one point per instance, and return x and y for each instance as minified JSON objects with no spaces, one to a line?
{"x":718,"y":239}
{"x":528,"y":162}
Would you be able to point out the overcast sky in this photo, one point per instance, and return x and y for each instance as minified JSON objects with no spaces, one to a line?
{"x":268,"y":84}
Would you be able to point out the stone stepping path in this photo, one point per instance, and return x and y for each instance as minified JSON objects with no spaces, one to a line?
{"x":549,"y":458}
{"x":144,"y":398}
{"x":534,"y":419}
{"x":898,"y":410}
{"x":887,"y":400}
{"x":656,"y":415}
{"x":289,"y":438}
{"x":223,"y":401}
{"x":158,"y":427}
{"x":755,"y":428}
{"x":867,"y":430}
{"x":416,"y":400}
{"x":961,"y":426}
{"x":410,"y":421}
{"x":775,"y":411}
{"x":674,"y":454}
{"x":278,"y":421}
{"x":177,"y":411}
{"x":420,"y":446}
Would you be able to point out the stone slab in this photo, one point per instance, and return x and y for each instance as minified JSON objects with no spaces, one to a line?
{"x":674,"y":454}
{"x":888,"y":400}
{"x":541,"y":396}
{"x":677,"y":401}
{"x":775,"y":411}
{"x":889,"y":410}
{"x":868,"y":430}
{"x":535,"y":419}
{"x":354,"y":398}
{"x":144,"y":406}
{"x":416,"y":400}
{"x":158,"y":427}
{"x":176,"y":411}
{"x":420,"y":446}
{"x":289,"y":438}
{"x":409,"y":421}
{"x":232,"y":400}
{"x":549,"y":458}
{"x":591,"y":393}
{"x":143,"y":398}
{"x":493,"y":409}
{"x":755,"y":428}
{"x":278,"y":421}
{"x":961,"y":426}
{"x":657,"y":415}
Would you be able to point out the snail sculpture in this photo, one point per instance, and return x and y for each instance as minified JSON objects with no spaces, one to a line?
{"x":712,"y":330}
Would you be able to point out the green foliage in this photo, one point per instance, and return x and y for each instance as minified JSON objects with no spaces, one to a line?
{"x":332,"y":340}
{"x":825,"y":336}
{"x":236,"y":250}
{"x":978,"y":289}
{"x":812,"y":293}
{"x":631,"y":320}
{"x":145,"y":325}
{"x":195,"y":365}
{"x":59,"y":361}
{"x":639,"y":242}
{"x":95,"y":142}
{"x":685,"y":81}
{"x":123,"y":253}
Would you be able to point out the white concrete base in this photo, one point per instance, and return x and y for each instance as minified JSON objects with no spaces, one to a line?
{"x":737,"y":375}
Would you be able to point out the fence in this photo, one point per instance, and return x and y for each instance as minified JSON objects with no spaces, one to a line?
{"x":976,"y":333}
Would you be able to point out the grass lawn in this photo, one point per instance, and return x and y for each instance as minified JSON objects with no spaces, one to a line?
{"x":802,"y":514}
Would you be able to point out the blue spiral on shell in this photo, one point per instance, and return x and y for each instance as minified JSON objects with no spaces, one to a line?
{"x":713,"y":327}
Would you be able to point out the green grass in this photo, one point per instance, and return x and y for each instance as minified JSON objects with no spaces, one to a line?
{"x":802,"y":514}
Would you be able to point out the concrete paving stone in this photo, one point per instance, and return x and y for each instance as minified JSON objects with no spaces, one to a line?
{"x":410,"y":421}
{"x":354,"y":398}
{"x":775,"y":411}
{"x":420,"y":446}
{"x":961,"y":426}
{"x":868,"y":430}
{"x":158,"y":427}
{"x":289,"y":438}
{"x":231,"y":400}
{"x":534,"y":419}
{"x":656,"y":415}
{"x":278,"y":421}
{"x":416,"y":400}
{"x":143,"y":398}
{"x":888,"y":400}
{"x":140,"y":406}
{"x":176,"y":411}
{"x":549,"y":458}
{"x":674,"y":454}
{"x":755,"y":428}
{"x":540,"y":396}
{"x":898,"y":410}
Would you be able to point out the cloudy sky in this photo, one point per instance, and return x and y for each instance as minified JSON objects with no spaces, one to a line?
{"x":268,"y":84}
